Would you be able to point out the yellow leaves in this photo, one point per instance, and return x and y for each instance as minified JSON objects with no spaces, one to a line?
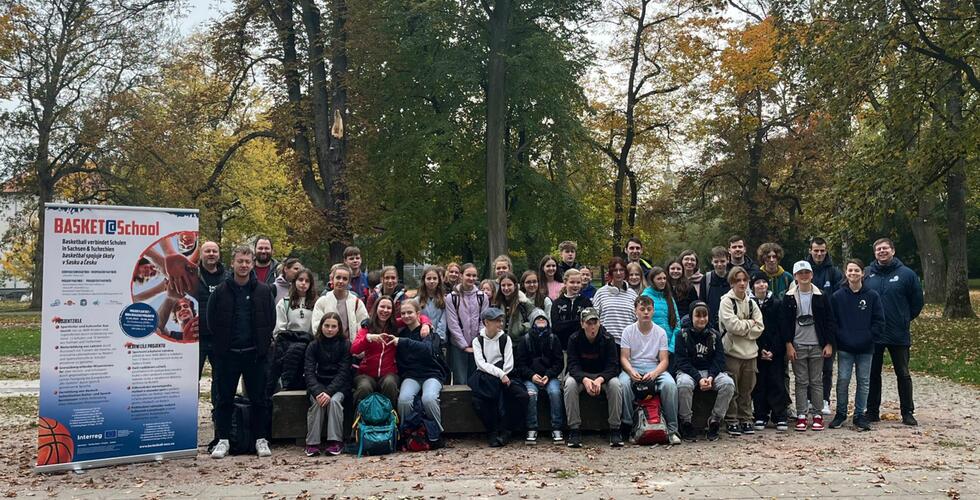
{"x":749,"y":61}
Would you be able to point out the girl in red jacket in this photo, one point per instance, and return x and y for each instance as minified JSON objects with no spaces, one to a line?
{"x":377,"y":370}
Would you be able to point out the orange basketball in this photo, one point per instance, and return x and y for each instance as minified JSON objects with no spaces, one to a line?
{"x":54,"y":443}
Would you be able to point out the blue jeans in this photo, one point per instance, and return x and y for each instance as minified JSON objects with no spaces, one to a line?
{"x":846,"y":361}
{"x":667,"y":389}
{"x":555,"y":404}
{"x":462,"y":364}
{"x":430,"y":388}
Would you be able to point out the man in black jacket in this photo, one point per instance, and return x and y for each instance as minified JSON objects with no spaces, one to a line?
{"x":240,"y":318}
{"x":593,"y":366}
{"x":210,"y":273}
{"x":701,"y":363}
{"x":828,"y":278}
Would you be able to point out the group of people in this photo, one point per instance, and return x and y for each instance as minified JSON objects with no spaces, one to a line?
{"x":735,"y":329}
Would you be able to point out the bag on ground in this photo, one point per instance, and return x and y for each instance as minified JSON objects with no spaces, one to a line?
{"x":649,"y":426}
{"x":375,"y":426}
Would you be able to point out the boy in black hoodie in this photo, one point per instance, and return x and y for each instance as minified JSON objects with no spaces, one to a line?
{"x":538,"y":363}
{"x":593,"y":366}
{"x":769,"y":398}
{"x":700,"y":359}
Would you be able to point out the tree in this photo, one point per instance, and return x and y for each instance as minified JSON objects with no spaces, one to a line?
{"x":70,"y":74}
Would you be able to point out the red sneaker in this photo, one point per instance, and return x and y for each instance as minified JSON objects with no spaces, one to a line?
{"x":801,"y":424}
{"x":817,"y":423}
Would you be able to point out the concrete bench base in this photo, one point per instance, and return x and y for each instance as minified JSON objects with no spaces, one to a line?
{"x":458,"y":417}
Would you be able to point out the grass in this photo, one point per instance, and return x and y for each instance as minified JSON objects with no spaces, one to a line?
{"x":13,"y":306}
{"x":975,"y":284}
{"x":947,"y":348}
{"x":20,"y":340}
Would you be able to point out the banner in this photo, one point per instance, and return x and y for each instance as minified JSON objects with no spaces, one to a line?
{"x":119,"y":335}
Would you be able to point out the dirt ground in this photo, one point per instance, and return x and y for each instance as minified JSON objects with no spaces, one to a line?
{"x":891,"y":459}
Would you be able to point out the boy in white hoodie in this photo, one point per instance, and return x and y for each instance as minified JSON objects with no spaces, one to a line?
{"x":500,"y":402}
{"x":741,"y":324}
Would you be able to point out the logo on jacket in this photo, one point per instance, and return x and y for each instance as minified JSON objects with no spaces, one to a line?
{"x":862,"y":304}
{"x":894,"y":279}
{"x":701,"y":349}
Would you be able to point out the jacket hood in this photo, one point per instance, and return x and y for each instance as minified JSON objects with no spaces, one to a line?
{"x":483,"y":333}
{"x":828,"y":261}
{"x":398,"y":288}
{"x":877,"y":267}
{"x":779,"y":271}
{"x":281,"y":281}
{"x":538,"y":313}
{"x":471,"y":291}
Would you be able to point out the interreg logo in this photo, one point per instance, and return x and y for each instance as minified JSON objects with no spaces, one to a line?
{"x":76,"y":225}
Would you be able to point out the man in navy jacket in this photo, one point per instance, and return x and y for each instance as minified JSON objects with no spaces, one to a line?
{"x":901,"y":297}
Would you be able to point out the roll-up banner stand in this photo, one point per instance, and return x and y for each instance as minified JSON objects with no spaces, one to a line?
{"x":119,"y":333}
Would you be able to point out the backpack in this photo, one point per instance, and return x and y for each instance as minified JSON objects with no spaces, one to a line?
{"x":376,"y":426}
{"x":649,"y":426}
{"x":242,"y":441}
{"x":417,"y":428}
{"x":456,"y":299}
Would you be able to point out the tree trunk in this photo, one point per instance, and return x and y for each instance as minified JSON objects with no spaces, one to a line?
{"x":496,"y":128}
{"x":957,"y":286}
{"x":339,"y":131}
{"x":617,"y":239}
{"x":930,"y":249}
{"x":37,"y":285}
{"x":634,"y":201}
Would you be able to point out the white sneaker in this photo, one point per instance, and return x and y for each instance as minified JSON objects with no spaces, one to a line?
{"x":532,"y":437}
{"x":674,"y":439}
{"x":557,"y":437}
{"x":262,"y":448}
{"x":826,"y":407}
{"x":220,"y":449}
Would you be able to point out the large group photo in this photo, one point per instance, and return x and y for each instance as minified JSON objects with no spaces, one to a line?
{"x":461,"y":248}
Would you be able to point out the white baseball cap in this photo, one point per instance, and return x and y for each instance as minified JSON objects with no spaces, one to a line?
{"x":802,"y":266}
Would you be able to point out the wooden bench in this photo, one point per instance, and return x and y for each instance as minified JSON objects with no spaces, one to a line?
{"x":458,"y":417}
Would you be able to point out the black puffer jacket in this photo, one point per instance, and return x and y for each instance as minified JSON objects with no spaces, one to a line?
{"x":327,"y":366}
{"x":221,"y":315}
{"x":539,"y":352}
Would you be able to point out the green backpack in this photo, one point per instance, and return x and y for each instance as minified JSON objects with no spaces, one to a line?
{"x":376,"y":426}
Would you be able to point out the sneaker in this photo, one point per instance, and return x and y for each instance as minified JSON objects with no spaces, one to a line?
{"x":493,"y":440}
{"x":734,"y":430}
{"x":334,"y":448}
{"x":817,"y":424}
{"x":782,"y":426}
{"x":826,"y":407}
{"x":436,"y":444}
{"x":909,"y":419}
{"x":220,"y":449}
{"x":615,"y":439}
{"x":862,"y":423}
{"x":687,"y":432}
{"x":556,"y":437}
{"x":532,"y":438}
{"x":312,"y":450}
{"x":747,"y":428}
{"x":872,"y":417}
{"x":838,"y":421}
{"x":713,"y":428}
{"x":504,"y":436}
{"x":574,"y":439}
{"x":262,"y":448}
{"x":801,"y":423}
{"x":674,"y":439}
{"x":760,"y":425}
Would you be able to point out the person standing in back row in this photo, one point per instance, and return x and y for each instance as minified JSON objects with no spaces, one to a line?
{"x":828,"y":279}
{"x":264,"y":265}
{"x":902,"y":300}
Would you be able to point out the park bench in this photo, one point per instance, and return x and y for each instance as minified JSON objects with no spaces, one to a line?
{"x":458,"y":417}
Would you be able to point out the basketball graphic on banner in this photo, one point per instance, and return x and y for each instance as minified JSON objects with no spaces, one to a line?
{"x":54,"y":443}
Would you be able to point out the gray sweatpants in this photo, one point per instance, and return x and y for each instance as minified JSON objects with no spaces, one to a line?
{"x":334,"y":411}
{"x":808,"y":371}
{"x":614,"y":402}
{"x":722,"y":384}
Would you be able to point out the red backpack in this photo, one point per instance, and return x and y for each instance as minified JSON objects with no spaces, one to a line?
{"x":648,"y":423}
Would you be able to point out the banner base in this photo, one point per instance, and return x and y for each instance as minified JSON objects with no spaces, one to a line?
{"x":107,"y":462}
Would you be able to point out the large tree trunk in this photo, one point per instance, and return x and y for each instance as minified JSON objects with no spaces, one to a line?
{"x":37,"y":285}
{"x":957,"y":287}
{"x":496,"y":127}
{"x":930,"y":249}
{"x":339,"y":127}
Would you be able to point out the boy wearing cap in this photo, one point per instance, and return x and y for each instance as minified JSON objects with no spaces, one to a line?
{"x":644,"y":357}
{"x":809,"y":331}
{"x":500,"y":402}
{"x":700,"y":359}
{"x":593,"y":364}
{"x":769,"y":398}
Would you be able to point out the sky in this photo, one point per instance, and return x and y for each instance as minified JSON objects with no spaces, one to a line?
{"x":200,"y":12}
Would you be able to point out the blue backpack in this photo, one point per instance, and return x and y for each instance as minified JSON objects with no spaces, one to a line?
{"x":376,"y":426}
